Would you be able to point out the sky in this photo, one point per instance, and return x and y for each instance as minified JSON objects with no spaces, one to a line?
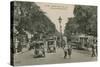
{"x":54,"y":11}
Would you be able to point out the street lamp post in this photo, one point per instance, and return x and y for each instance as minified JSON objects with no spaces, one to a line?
{"x":60,"y":20}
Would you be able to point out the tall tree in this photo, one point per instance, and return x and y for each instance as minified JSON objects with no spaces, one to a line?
{"x":29,"y":17}
{"x":85,"y":21}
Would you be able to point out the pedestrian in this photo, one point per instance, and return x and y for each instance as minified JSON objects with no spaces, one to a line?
{"x":19,"y":47}
{"x":69,"y":50}
{"x":96,"y":50}
{"x":65,"y":51}
{"x":93,"y":50}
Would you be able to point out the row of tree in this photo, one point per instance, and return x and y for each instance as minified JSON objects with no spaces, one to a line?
{"x":84,"y":21}
{"x":29,"y":17}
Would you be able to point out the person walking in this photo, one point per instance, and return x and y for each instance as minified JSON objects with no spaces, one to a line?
{"x":69,"y":51}
{"x":65,"y":51}
{"x":93,"y":50}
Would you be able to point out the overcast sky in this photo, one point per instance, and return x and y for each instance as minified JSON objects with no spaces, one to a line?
{"x":53,"y":11}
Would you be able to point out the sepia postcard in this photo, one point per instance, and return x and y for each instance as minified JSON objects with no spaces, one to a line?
{"x":51,"y":33}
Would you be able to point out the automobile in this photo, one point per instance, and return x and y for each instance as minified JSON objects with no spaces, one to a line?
{"x":39,"y":50}
{"x":51,"y":46}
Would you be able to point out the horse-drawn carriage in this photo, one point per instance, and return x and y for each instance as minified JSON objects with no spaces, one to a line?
{"x":51,"y":45}
{"x":39,"y":50}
